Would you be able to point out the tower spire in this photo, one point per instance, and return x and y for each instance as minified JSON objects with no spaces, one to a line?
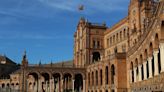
{"x":24,"y":60}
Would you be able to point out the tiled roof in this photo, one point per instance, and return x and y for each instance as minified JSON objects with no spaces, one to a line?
{"x":6,"y":60}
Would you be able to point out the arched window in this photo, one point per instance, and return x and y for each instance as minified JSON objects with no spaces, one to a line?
{"x":114,"y":39}
{"x":147,"y":68}
{"x":121,"y":35}
{"x":136,"y":62}
{"x":159,"y":57}
{"x":96,"y":56}
{"x":106,"y":74}
{"x":124,"y":33}
{"x":142,"y":70}
{"x":110,"y":41}
{"x":98,"y":44}
{"x":3,"y":85}
{"x":107,"y":41}
{"x":101,"y":82}
{"x":94,"y":44}
{"x":117,"y":37}
{"x":96,"y":77}
{"x":115,"y":50}
{"x":112,"y":73}
{"x":159,"y":61}
{"x":92,"y":78}
{"x":132,"y":73}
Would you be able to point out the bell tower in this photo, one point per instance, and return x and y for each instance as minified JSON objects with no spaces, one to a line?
{"x":88,"y":43}
{"x":134,"y":15}
{"x":146,"y":12}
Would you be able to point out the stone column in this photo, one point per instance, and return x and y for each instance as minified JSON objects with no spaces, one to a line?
{"x":51,"y":85}
{"x":39,"y":85}
{"x":46,"y":86}
{"x":61,"y":85}
{"x":73,"y":85}
{"x":65,"y":83}
{"x":58,"y":89}
{"x":145,"y":70}
{"x":130,"y":76}
{"x":91,"y":59}
{"x":139,"y":74}
{"x":83,"y":85}
{"x":18,"y":86}
{"x":35,"y":87}
{"x":156,"y":69}
{"x":150,"y":67}
{"x":135,"y":74}
{"x":162,"y":56}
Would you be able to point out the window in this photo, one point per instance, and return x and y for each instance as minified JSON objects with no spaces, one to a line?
{"x":96,"y":77}
{"x":106,"y":74}
{"x":124,"y":33}
{"x":112,"y":73}
{"x":96,"y":56}
{"x":92,"y":78}
{"x":114,"y":39}
{"x":98,"y":44}
{"x":107,"y":42}
{"x":110,"y":40}
{"x":117,"y":37}
{"x":94,"y":43}
{"x":101,"y":77}
{"x":121,"y":35}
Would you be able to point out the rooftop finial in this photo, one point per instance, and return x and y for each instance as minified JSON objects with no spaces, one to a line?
{"x":24,"y":61}
{"x":24,"y":56}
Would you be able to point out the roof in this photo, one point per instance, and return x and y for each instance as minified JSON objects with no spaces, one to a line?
{"x":6,"y":60}
{"x":59,"y":64}
{"x":16,"y":72}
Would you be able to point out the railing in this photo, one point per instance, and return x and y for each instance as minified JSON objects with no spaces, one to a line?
{"x":98,"y":24}
{"x":157,"y":80}
{"x":8,"y":90}
{"x":116,"y":55}
{"x":56,"y":66}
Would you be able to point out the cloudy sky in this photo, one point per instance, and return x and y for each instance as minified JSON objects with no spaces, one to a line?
{"x":45,"y":28}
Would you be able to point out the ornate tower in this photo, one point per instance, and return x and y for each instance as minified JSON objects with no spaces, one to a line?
{"x":23,"y":86}
{"x":88,"y":43}
{"x":140,"y":14}
{"x":147,"y":8}
{"x":24,"y":61}
{"x":134,"y":15}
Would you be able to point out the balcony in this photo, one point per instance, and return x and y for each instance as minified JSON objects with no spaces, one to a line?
{"x":149,"y":84}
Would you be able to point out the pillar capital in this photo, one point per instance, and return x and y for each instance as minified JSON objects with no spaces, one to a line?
{"x":140,"y":65}
{"x":144,"y":63}
{"x":161,"y":45}
{"x":135,"y":68}
{"x":155,"y":52}
{"x":149,"y":58}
